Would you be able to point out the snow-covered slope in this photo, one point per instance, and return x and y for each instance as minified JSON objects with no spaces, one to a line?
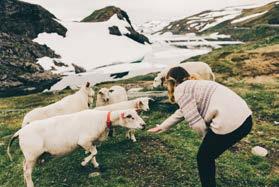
{"x":90,"y":45}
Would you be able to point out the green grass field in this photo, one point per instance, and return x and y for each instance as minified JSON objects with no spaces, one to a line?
{"x":167,"y":159}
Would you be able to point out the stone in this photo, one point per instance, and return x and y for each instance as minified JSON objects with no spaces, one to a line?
{"x":94,"y":174}
{"x":78,"y":69}
{"x":259,"y":151}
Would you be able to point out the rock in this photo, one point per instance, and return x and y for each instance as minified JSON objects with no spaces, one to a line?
{"x":134,"y":35}
{"x":259,"y":151}
{"x":276,"y":123}
{"x":106,"y":13}
{"x":27,"y":19}
{"x":94,"y":174}
{"x":78,"y":69}
{"x":20,"y":74}
{"x":20,"y":23}
{"x":60,"y":64}
{"x":119,"y":75}
{"x":114,"y":30}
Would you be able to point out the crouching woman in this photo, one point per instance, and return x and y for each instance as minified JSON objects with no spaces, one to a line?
{"x":214,"y":111}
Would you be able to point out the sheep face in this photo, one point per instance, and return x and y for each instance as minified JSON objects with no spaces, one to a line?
{"x":157,"y":82}
{"x":103,"y":95}
{"x":143,"y":103}
{"x":130,"y":119}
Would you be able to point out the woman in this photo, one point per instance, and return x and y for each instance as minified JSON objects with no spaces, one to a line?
{"x":214,"y":111}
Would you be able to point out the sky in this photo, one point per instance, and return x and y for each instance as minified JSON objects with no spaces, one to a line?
{"x":139,"y":11}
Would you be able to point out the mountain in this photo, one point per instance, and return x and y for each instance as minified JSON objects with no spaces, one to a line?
{"x":27,"y":19}
{"x":241,"y":23}
{"x":20,"y":22}
{"x":107,"y":13}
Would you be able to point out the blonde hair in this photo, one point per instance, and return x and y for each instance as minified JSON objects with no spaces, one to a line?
{"x":176,"y":76}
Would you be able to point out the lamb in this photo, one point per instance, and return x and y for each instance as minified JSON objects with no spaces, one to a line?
{"x":113,"y":95}
{"x":61,"y":135}
{"x":139,"y":104}
{"x":81,"y":100}
{"x":199,"y":69}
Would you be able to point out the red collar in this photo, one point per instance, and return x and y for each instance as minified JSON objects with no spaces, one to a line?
{"x":108,"y":120}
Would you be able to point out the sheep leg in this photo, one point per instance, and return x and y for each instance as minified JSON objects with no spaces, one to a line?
{"x":94,"y":162}
{"x":27,"y":170}
{"x":128,"y":134}
{"x":133,"y":138}
{"x":92,"y":150}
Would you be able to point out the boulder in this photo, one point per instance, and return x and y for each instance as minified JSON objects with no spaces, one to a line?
{"x":114,"y":30}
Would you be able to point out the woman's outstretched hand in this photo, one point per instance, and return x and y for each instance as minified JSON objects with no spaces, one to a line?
{"x":156,"y":129}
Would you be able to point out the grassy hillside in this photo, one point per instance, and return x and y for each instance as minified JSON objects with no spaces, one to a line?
{"x":167,"y":159}
{"x":252,"y":29}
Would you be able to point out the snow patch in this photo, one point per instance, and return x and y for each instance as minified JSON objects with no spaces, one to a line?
{"x":248,"y":17}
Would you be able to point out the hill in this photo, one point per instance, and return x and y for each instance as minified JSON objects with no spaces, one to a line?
{"x":106,"y":13}
{"x":245,"y":24}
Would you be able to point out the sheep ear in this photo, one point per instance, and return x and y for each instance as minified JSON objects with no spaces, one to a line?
{"x":87,"y":84}
{"x":129,"y":116}
{"x":140,"y":103}
{"x":123,"y":115}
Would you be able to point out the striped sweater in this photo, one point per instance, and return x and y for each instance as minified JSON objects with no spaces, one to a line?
{"x":207,"y":104}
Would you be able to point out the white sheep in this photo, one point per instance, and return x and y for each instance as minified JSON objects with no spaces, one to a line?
{"x":61,"y":135}
{"x":81,"y":100}
{"x":139,"y":104}
{"x":113,"y":95}
{"x":200,"y":69}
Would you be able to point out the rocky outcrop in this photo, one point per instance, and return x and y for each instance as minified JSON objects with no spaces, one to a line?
{"x":134,"y":35}
{"x":106,"y":13}
{"x":19,"y":72}
{"x":27,"y":19}
{"x":78,"y":69}
{"x":114,"y":30}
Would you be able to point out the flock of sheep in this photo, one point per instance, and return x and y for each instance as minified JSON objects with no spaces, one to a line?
{"x":43,"y":129}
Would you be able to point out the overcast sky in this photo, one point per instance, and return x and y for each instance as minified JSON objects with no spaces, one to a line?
{"x":139,"y":10}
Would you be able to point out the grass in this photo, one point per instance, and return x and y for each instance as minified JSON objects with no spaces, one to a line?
{"x":167,"y":159}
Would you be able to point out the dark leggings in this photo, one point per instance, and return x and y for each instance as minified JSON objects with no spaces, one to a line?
{"x":213,"y":146}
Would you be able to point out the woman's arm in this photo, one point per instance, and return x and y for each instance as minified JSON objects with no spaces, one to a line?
{"x":188,"y":106}
{"x":174,"y":119}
